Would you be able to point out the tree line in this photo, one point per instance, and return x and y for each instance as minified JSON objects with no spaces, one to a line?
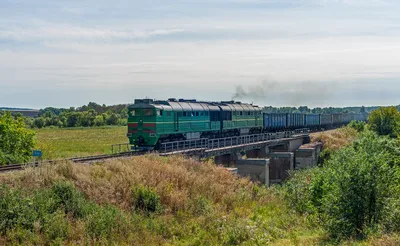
{"x":95,"y":114}
{"x":319,"y":110}
{"x":89,"y":115}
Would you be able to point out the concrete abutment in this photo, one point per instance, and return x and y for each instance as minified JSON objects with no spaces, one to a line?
{"x":272,"y":164}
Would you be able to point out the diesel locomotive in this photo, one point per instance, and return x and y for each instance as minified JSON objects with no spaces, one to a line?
{"x":152,"y":122}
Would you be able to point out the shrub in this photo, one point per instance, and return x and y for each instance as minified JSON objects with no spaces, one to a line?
{"x":15,"y":210}
{"x":385,"y":121}
{"x":200,"y":206}
{"x":359,"y":126}
{"x":72,"y":200}
{"x":352,"y":193}
{"x":16,"y":141}
{"x":145,"y":199}
{"x":56,"y":226}
{"x":107,"y":222}
{"x":20,"y":236}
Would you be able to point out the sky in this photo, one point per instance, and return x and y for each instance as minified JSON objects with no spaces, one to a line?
{"x":269,"y":52}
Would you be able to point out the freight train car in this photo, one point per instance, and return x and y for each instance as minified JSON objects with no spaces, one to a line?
{"x":336,"y":119}
{"x":312,"y":120}
{"x":326,"y":120}
{"x":359,"y":117}
{"x":345,"y":119}
{"x":275,"y":121}
{"x":295,"y":121}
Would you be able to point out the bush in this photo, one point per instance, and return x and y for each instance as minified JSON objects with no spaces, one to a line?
{"x":385,"y":121}
{"x":72,"y":200}
{"x":56,"y":226}
{"x":359,"y":126}
{"x":44,"y":217}
{"x":145,"y":199}
{"x":16,"y":141}
{"x":107,"y":222}
{"x":15,"y":210}
{"x":355,"y":190}
{"x":200,"y":206}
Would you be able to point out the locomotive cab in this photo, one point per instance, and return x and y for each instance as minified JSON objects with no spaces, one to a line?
{"x":142,"y":125}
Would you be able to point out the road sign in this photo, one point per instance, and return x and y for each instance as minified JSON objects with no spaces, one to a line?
{"x":37,"y":153}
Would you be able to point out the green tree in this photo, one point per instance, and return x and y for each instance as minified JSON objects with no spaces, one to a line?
{"x":385,"y":121}
{"x":356,"y":191}
{"x":16,"y":141}
{"x":304,"y":109}
{"x":39,"y":122}
{"x":73,"y":119}
{"x":112,"y":119}
{"x":99,"y":120}
{"x":87,"y":118}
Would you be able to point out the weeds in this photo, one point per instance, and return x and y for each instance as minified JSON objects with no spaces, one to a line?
{"x":145,"y":200}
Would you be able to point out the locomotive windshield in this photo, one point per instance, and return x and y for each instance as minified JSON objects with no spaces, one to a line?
{"x":134,"y":112}
{"x":148,"y":112}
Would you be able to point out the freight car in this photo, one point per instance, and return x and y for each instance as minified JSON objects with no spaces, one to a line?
{"x":151,"y":122}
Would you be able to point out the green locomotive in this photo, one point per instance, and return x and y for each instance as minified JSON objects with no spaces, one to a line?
{"x":151,"y":123}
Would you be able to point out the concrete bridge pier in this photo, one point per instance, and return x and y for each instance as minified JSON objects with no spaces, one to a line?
{"x":281,"y":163}
{"x":257,"y":170}
{"x":270,"y":170}
{"x":279,"y":148}
{"x":257,"y":153}
{"x":228,"y":160}
{"x":290,"y":146}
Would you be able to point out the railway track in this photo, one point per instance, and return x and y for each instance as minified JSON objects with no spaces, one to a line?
{"x":175,"y":147}
{"x":104,"y":157}
{"x":9,"y":168}
{"x":86,"y":159}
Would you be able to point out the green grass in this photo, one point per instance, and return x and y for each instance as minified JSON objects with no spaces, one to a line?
{"x":72,"y":142}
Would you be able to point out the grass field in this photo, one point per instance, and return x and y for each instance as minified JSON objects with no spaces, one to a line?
{"x":71,"y":142}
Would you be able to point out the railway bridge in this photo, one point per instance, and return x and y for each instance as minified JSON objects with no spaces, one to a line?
{"x":253,"y":146}
{"x":264,"y":157}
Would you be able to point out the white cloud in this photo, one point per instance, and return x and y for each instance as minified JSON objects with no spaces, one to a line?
{"x":46,"y":31}
{"x":204,"y":63}
{"x":207,"y":54}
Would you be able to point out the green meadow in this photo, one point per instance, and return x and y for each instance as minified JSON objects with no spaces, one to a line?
{"x":73,"y":142}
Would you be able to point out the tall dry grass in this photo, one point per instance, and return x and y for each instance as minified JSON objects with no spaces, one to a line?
{"x":175,"y":179}
{"x":335,"y":139}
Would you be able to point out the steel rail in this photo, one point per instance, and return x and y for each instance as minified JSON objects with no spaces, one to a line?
{"x":15,"y":167}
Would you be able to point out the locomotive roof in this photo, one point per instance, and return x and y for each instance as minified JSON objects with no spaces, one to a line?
{"x":193,"y":105}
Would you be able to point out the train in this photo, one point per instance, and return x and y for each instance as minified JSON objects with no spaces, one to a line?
{"x":153,"y":122}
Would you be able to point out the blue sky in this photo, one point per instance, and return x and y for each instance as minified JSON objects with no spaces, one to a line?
{"x":304,"y":52}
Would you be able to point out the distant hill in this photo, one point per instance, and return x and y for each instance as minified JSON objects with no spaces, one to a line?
{"x":10,"y":109}
{"x":28,"y":112}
